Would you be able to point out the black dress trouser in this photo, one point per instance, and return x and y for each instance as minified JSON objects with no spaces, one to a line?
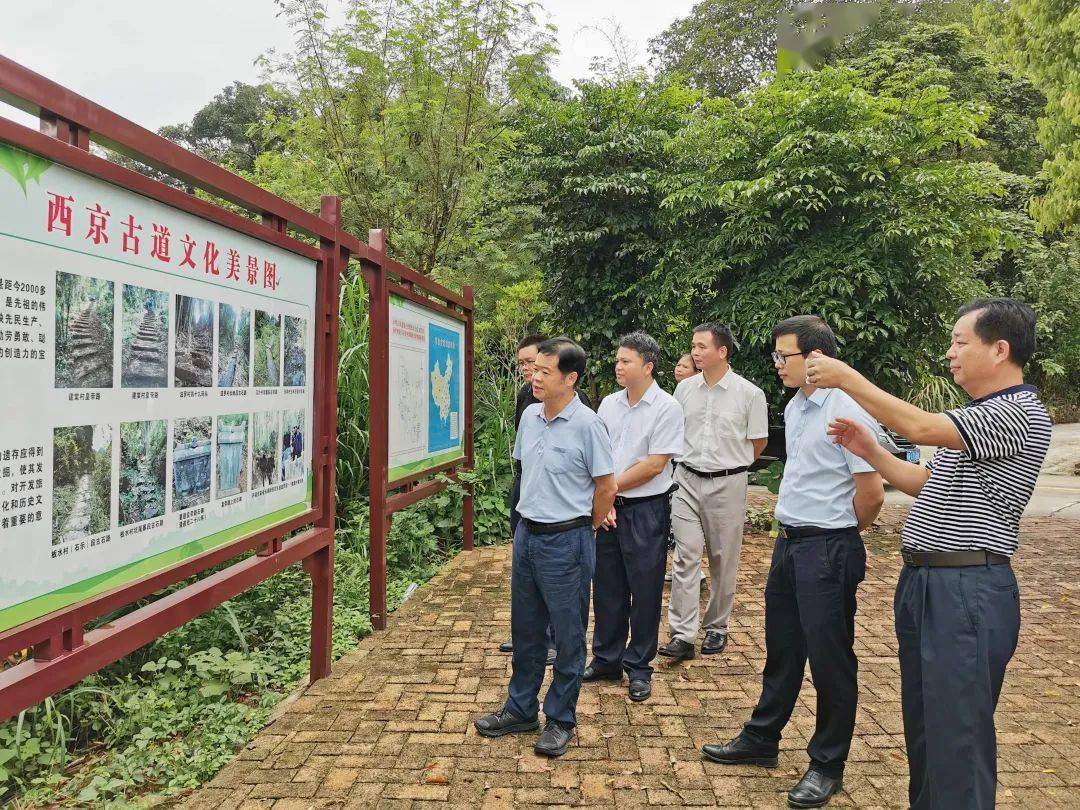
{"x":628,"y":588}
{"x":957,"y":629}
{"x":810,"y":605}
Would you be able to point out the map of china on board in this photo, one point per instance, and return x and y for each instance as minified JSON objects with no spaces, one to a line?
{"x":426,"y":391}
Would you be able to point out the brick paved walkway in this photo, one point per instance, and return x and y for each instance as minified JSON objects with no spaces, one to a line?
{"x":391,"y":727}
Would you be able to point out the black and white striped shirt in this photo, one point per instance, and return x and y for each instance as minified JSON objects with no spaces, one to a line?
{"x":974,"y":498}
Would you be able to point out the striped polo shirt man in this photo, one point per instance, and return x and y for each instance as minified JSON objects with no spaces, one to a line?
{"x":957,"y":605}
{"x":974,"y":498}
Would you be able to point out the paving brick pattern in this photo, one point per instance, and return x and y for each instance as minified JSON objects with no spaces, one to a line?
{"x":392,"y":726}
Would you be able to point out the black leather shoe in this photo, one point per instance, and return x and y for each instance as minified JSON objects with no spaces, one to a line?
{"x":640,"y":689}
{"x":554,"y":740}
{"x":507,"y":646}
{"x":503,"y":722}
{"x":741,"y":751}
{"x":677,"y":650}
{"x":714,"y":642}
{"x":593,"y":674}
{"x":814,"y":790}
{"x":551,"y":656}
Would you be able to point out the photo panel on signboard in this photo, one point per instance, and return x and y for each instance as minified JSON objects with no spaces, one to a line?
{"x":191,"y":462}
{"x":232,"y":455}
{"x":144,"y":353}
{"x":292,"y":445}
{"x":84,"y":331}
{"x":265,"y":448}
{"x":267,"y":351}
{"x":295,"y":351}
{"x":143,"y":452}
{"x":194,"y":342}
{"x":234,"y":346}
{"x":132,"y":391}
{"x":81,"y":482}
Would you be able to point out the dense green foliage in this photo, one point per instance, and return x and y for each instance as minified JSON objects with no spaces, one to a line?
{"x":1042,"y":38}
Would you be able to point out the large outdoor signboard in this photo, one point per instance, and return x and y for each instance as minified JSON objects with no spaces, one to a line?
{"x":426,"y":404}
{"x":157,"y":386}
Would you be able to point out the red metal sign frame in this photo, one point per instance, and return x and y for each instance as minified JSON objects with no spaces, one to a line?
{"x":384,"y":276}
{"x":63,"y":652}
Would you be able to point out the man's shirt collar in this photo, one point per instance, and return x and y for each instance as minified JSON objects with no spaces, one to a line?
{"x":566,"y":413}
{"x":648,"y":397}
{"x":817,"y":398}
{"x":1012,"y":389}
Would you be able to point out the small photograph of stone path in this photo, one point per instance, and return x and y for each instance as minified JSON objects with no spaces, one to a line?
{"x":295,"y":351}
{"x":142,"y":470}
{"x":191,"y":462}
{"x":267,"y":349}
{"x":84,"y":332}
{"x":144,"y":351}
{"x":234,"y":346}
{"x":266,"y":429}
{"x":82,"y":482}
{"x":194,"y":342}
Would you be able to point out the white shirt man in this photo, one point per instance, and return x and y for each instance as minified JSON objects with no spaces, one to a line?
{"x":727,"y":427}
{"x":645,"y":424}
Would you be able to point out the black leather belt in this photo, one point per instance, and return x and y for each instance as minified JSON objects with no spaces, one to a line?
{"x":622,"y":501}
{"x":799,"y":532}
{"x":952,"y":559}
{"x":555,"y":528}
{"x":717,"y":474}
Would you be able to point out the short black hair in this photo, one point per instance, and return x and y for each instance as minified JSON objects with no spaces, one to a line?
{"x":571,"y":356}
{"x":721,"y":333}
{"x":1004,"y":319}
{"x":644,"y":344}
{"x":531,"y":340}
{"x":811,"y":332}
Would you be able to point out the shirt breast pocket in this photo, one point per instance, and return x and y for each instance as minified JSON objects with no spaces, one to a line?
{"x":731,"y":423}
{"x":559,"y":460}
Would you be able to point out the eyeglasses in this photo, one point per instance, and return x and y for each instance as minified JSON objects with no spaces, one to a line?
{"x":781,"y":359}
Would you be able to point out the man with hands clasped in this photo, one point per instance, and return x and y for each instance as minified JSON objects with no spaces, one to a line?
{"x":827,"y":496}
{"x":646,"y":428}
{"x":957,"y":606}
{"x":567,"y":490}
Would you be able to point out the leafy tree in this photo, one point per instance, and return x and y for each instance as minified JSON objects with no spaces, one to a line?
{"x":722,"y":46}
{"x":592,"y":166}
{"x":399,"y":112}
{"x":229,"y":130}
{"x":923,"y":55}
{"x":1040,"y":37}
{"x":821,"y":196}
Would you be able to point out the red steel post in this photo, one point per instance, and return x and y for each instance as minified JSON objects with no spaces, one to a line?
{"x":378,"y":428}
{"x":467,"y":504}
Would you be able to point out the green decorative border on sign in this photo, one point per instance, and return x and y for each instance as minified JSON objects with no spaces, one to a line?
{"x":87,"y":588}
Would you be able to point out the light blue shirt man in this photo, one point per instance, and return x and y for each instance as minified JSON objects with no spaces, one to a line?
{"x":817,"y":488}
{"x":559,"y":460}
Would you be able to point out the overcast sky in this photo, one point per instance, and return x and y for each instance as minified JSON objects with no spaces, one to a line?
{"x":159,"y":61}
